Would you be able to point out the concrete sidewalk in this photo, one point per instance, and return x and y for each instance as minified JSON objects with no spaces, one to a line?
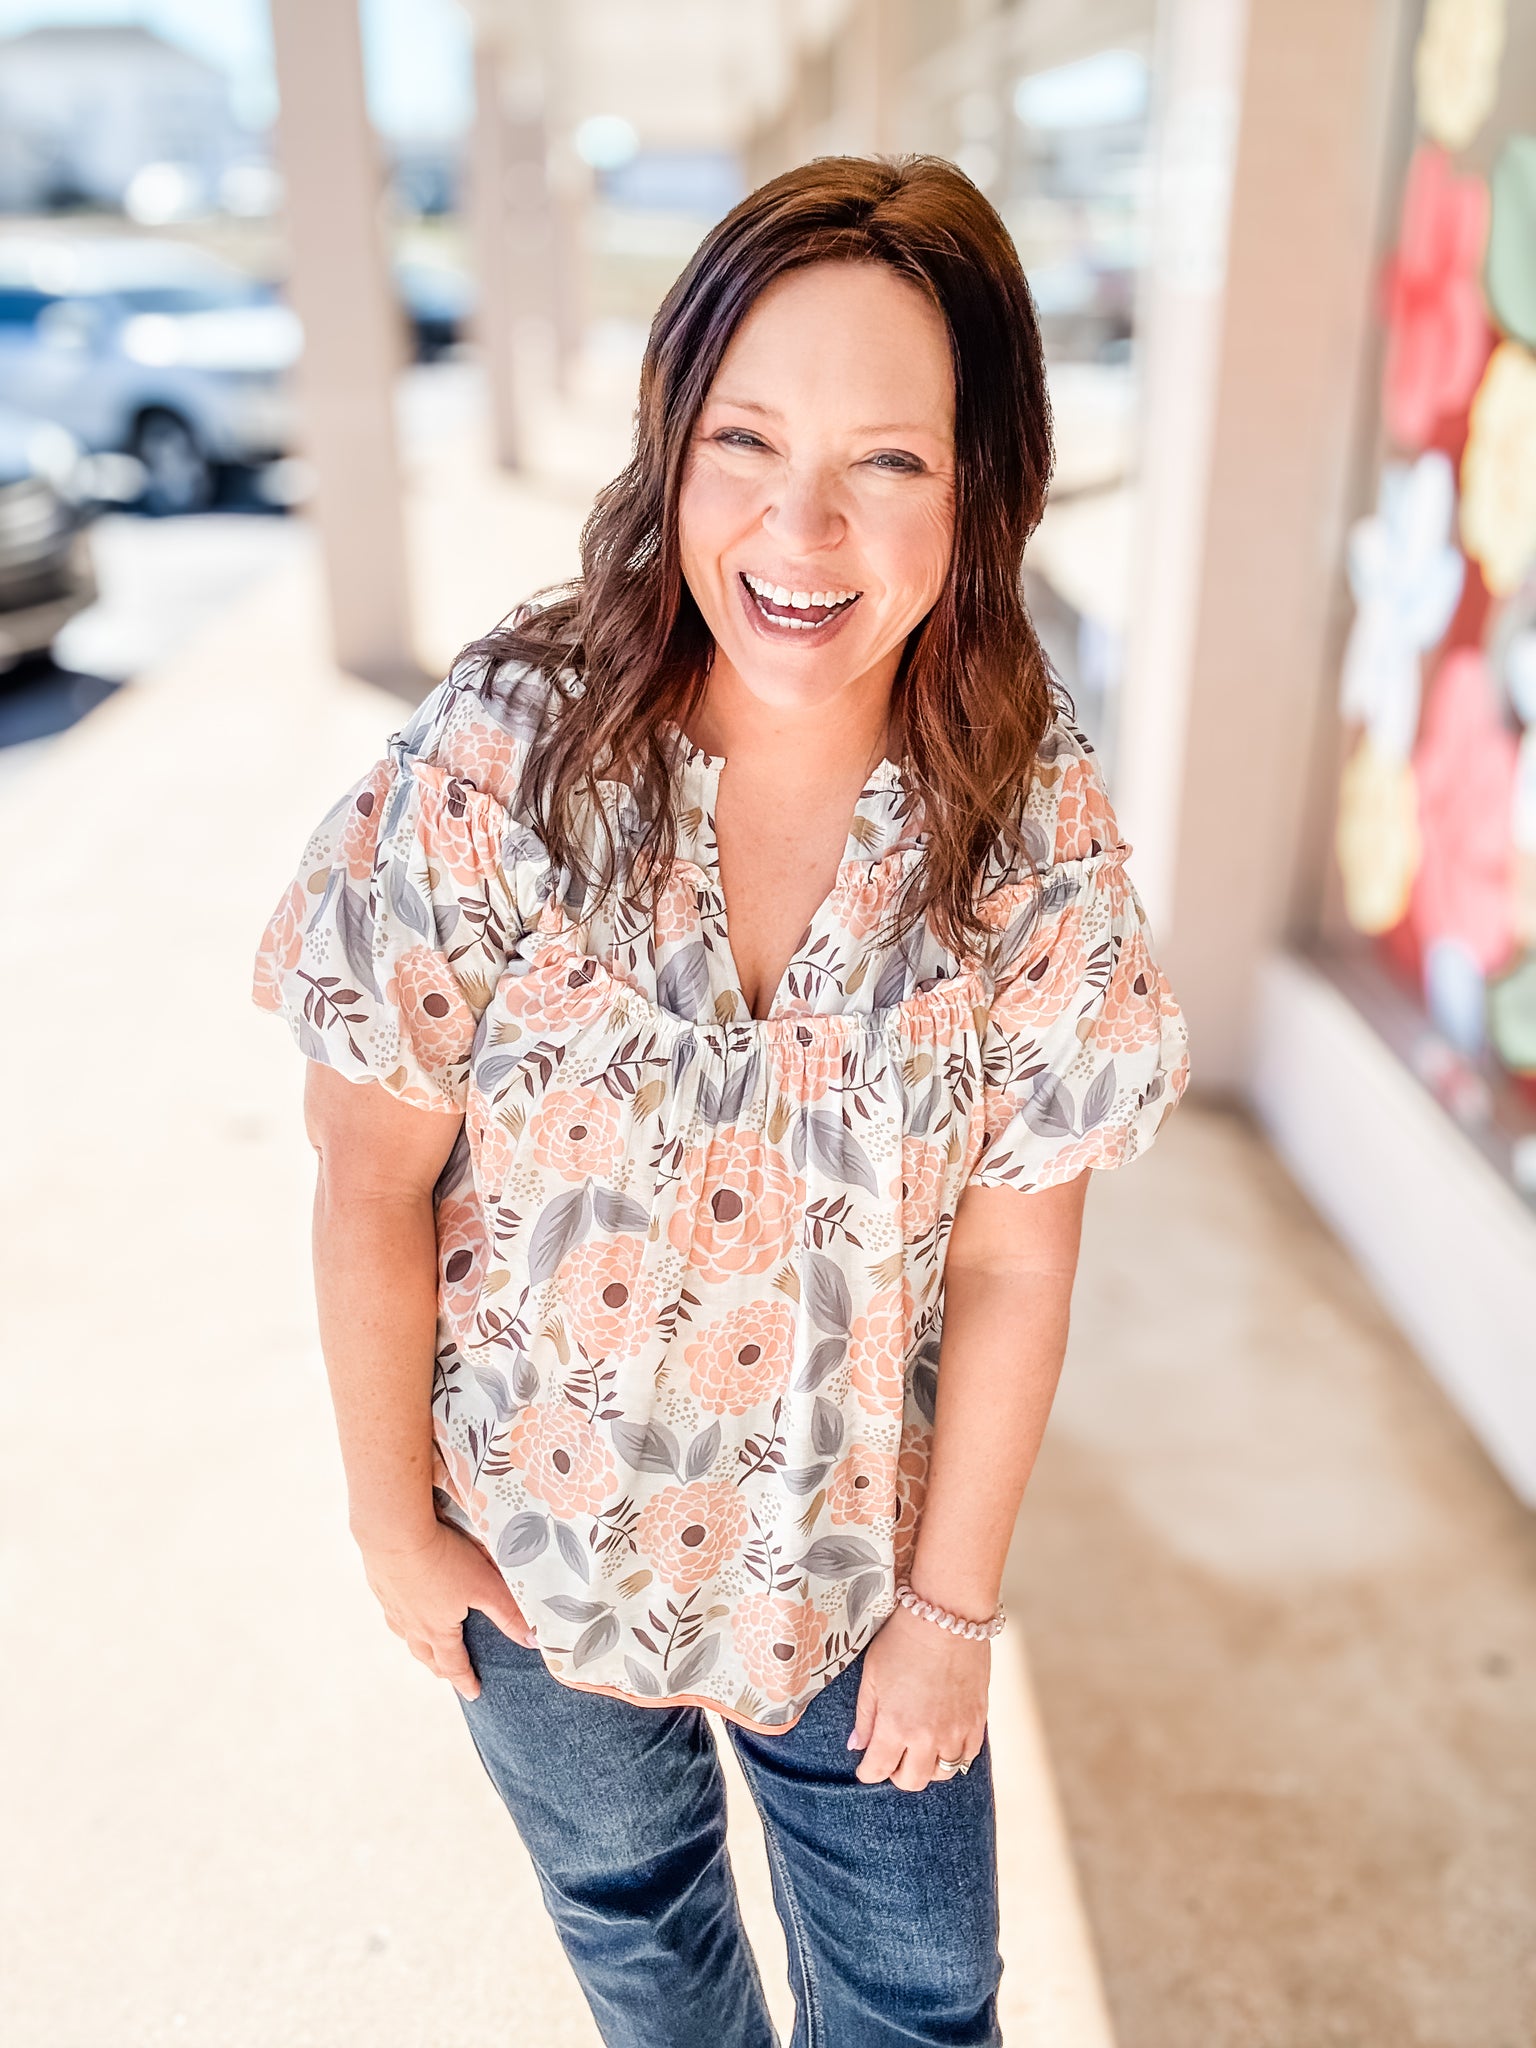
{"x":237,"y":1813}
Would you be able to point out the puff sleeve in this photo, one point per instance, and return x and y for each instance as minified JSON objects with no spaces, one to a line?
{"x":1085,"y":1050}
{"x":386,"y":947}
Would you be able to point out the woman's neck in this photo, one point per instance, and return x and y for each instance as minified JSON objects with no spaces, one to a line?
{"x":854,"y":728}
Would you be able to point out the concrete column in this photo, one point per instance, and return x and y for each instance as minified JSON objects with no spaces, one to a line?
{"x":865,"y":77}
{"x":1272,"y":139}
{"x":496,"y":296}
{"x":341,"y":289}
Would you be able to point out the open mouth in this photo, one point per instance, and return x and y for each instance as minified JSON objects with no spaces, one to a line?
{"x":796,"y":611}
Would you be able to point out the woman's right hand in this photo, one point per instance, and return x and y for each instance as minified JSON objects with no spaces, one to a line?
{"x":425,"y":1591}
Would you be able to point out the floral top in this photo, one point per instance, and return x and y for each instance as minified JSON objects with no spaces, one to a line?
{"x":690,"y":1262}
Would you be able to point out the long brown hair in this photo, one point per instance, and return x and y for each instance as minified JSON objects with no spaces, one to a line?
{"x":626,"y":645}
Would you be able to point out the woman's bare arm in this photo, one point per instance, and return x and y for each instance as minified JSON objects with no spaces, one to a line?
{"x":375,"y":1258}
{"x":1008,"y":1277}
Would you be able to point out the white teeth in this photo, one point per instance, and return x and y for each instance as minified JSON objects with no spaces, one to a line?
{"x":797,"y":600}
{"x":780,"y":594}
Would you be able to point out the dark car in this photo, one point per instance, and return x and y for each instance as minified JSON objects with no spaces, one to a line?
{"x":46,"y":574}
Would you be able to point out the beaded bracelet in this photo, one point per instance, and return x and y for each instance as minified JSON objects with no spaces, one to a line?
{"x":956,"y":1624}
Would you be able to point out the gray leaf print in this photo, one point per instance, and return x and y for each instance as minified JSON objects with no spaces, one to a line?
{"x":1100,"y":1097}
{"x":641,"y":1679}
{"x":687,"y":1671}
{"x":860,"y":1593}
{"x":703,"y":1451}
{"x":830,"y":1557}
{"x":647,"y":1446}
{"x":525,"y":1377}
{"x":490,"y":1073}
{"x":803,"y":1479}
{"x":601,"y":1635}
{"x":496,"y":1389}
{"x":826,"y":1294}
{"x":571,"y":1609}
{"x":826,"y":1358}
{"x":408,"y":904}
{"x":562,"y":1226}
{"x":683,"y":984}
{"x":311,"y":1044}
{"x":892,"y":985}
{"x":925,"y":1389}
{"x":826,"y":1429}
{"x":797,"y":1143}
{"x":523,"y":1537}
{"x":618,"y":1212}
{"x":571,"y":1548}
{"x":356,"y":921}
{"x":840,"y":1151}
{"x":1050,"y":1107}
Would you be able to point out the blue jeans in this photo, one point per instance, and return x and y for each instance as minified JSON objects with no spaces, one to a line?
{"x":888,"y":1898}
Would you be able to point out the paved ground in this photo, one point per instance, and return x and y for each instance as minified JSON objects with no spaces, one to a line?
{"x":1283,"y":1624}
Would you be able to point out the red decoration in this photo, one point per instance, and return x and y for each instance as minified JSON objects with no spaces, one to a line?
{"x":1438,"y":334}
{"x":1465,"y":765}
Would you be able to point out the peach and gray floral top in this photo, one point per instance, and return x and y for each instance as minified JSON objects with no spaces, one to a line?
{"x":691,"y":1263}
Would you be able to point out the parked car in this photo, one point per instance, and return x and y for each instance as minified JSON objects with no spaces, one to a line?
{"x":46,"y":574}
{"x":149,"y":348}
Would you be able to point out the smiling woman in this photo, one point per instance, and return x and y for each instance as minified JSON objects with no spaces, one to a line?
{"x":753,"y":917}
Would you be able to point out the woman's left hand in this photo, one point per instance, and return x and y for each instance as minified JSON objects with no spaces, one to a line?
{"x":923,"y":1695}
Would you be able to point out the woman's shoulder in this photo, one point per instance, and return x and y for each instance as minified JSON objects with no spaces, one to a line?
{"x":482,"y":720}
{"x":1067,"y":813}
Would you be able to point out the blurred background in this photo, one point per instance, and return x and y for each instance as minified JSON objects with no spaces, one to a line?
{"x":319,"y":325}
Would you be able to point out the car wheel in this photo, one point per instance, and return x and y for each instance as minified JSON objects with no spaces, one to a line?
{"x":178,"y":476}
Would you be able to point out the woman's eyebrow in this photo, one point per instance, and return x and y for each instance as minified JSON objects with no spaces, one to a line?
{"x":772,"y":412}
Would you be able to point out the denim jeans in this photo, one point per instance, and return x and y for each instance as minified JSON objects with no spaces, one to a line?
{"x":888,"y":1898}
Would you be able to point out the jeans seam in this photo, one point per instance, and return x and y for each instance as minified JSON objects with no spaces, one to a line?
{"x":815,"y":2031}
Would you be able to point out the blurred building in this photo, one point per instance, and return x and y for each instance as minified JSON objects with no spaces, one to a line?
{"x":84,"y":111}
{"x":1284,"y":254}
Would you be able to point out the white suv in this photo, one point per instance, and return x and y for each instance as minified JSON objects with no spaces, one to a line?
{"x":150,"y":348}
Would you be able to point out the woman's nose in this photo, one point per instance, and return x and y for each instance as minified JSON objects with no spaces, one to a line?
{"x":805,"y":514}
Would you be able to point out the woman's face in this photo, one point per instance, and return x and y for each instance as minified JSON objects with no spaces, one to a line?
{"x":817,"y":505}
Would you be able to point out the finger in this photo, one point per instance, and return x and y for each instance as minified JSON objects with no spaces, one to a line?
{"x":863,"y":1716}
{"x":495,"y":1602}
{"x":881,"y":1757}
{"x":451,"y":1661}
{"x":919,"y":1768}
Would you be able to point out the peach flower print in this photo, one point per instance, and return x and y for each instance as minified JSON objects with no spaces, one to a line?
{"x":281,"y":944}
{"x":451,"y":1471}
{"x":677,"y":904}
{"x":1042,"y":988}
{"x":805,"y":1060}
{"x":360,"y":836}
{"x":576,"y":1131}
{"x":864,"y":892}
{"x":1131,"y":1016}
{"x":491,"y":1145}
{"x":462,"y":1252}
{"x":911,"y":1488}
{"x":778,"y":1640}
{"x":877,"y":1350}
{"x":922,"y":1186}
{"x":461,"y":827}
{"x":738,"y":1206}
{"x":743,"y":1358}
{"x":435,"y":1020}
{"x":689,"y":1532}
{"x":566,"y":991}
{"x":863,"y":1486}
{"x":484,"y":755}
{"x":1085,"y":823}
{"x":600,"y":1290}
{"x":562,"y":1458}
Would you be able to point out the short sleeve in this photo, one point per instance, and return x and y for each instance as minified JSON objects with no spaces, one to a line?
{"x":385,"y":948}
{"x":1085,"y":1050}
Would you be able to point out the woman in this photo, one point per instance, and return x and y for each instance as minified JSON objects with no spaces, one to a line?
{"x":739,"y":960}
